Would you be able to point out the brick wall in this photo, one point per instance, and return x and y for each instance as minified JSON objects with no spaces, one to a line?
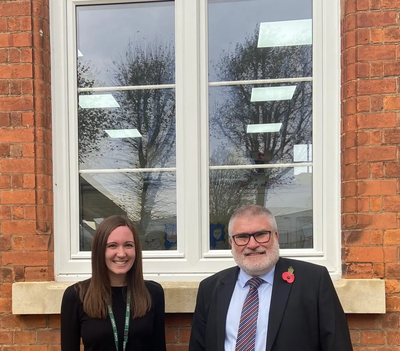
{"x":370,"y":169}
{"x":370,"y":160}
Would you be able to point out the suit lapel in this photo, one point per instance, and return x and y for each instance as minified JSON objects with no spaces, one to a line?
{"x":224,"y":294}
{"x":280,"y":294}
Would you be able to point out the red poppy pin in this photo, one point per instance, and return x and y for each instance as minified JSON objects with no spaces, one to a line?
{"x":288,"y":276}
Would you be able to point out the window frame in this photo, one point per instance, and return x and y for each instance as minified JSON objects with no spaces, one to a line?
{"x":193,"y":261}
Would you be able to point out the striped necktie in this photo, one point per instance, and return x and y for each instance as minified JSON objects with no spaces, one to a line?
{"x":246,"y":338}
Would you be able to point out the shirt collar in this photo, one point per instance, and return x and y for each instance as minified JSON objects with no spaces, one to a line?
{"x":244,"y":277}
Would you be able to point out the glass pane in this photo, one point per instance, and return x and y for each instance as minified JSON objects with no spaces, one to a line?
{"x":149,"y":199}
{"x":259,"y":39}
{"x":127,"y":129}
{"x":250,"y":125}
{"x":126,"y":44}
{"x":287,"y":192}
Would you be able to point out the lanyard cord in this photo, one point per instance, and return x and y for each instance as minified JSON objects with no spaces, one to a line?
{"x":127,"y":318}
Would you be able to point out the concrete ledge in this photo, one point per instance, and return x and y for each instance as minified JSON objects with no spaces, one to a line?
{"x":356,"y":296}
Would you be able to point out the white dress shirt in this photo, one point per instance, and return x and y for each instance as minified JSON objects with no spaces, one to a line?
{"x":235,"y":310}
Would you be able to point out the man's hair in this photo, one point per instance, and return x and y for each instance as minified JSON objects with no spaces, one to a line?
{"x":252,"y":210}
{"x":95,"y":293}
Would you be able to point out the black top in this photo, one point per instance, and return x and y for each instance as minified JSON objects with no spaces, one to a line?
{"x":145,"y":334}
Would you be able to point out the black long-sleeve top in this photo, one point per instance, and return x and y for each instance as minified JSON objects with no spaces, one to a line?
{"x":145,"y":334}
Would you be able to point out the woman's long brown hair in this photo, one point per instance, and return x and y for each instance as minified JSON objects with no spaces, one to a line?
{"x":95,"y":293}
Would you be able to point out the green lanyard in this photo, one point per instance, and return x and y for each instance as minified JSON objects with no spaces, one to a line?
{"x":127,"y":318}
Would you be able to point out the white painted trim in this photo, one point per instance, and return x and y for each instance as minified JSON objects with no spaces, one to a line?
{"x":192,"y":258}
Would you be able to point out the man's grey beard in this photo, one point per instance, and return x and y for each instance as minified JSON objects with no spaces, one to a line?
{"x":263,"y":267}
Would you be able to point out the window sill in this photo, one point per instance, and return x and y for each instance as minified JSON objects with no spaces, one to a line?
{"x":180,"y":297}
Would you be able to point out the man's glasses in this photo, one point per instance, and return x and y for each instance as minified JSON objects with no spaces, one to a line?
{"x":261,"y":237}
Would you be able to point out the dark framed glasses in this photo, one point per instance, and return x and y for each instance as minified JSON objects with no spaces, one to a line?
{"x":261,"y":237}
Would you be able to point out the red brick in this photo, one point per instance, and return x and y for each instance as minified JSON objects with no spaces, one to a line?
{"x":377,"y":170}
{"x":391,"y":68}
{"x":377,"y":221}
{"x":364,"y":321}
{"x":171,"y":335}
{"x":376,"y":36}
{"x":5,"y":336}
{"x":364,"y":254}
{"x":376,"y":204}
{"x":376,"y":86}
{"x":23,"y":322}
{"x":17,"y":181}
{"x":18,"y":227}
{"x":36,"y":243}
{"x":376,"y":120}
{"x":184,"y":335}
{"x":358,"y":271}
{"x":17,"y":243}
{"x":349,"y":172}
{"x":393,"y":303}
{"x":390,"y":321}
{"x":48,"y":336}
{"x":350,"y":156}
{"x":15,"y":39}
{"x":389,"y":4}
{"x":377,"y":187}
{"x":15,"y":9}
{"x":13,"y":71}
{"x":393,"y":271}
{"x":391,"y":203}
{"x":362,"y":5}
{"x":5,"y":243}
{"x":5,"y":306}
{"x":363,"y":171}
{"x":392,"y":136}
{"x":363,"y":204}
{"x":17,"y":197}
{"x":29,"y":181}
{"x":28,"y":150}
{"x":362,"y":36}
{"x":25,"y":258}
{"x":363,"y":104}
{"x":54,"y":321}
{"x":20,"y":103}
{"x":393,"y":338}
{"x":391,"y":102}
{"x":357,"y":238}
{"x":178,"y":320}
{"x":392,"y":170}
{"x":18,"y":212}
{"x":37,"y":274}
{"x":377,"y":153}
{"x":376,"y":69}
{"x":17,"y":165}
{"x":17,"y":135}
{"x":24,"y":337}
{"x":349,"y":189}
{"x":391,"y":34}
{"x":6,"y":290}
{"x":373,"y":337}
{"x":376,"y":19}
{"x":376,"y":103}
{"x":362,"y":70}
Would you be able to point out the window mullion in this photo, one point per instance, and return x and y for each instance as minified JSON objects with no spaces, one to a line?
{"x":187,"y":126}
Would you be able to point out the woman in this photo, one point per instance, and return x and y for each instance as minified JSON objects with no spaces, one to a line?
{"x":95,"y":309}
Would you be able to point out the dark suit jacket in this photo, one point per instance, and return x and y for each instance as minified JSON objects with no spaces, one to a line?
{"x":305,"y":315}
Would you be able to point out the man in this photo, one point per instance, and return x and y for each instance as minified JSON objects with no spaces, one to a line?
{"x":293,"y":306}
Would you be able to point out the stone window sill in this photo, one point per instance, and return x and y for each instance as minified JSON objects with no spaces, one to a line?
{"x":356,"y":296}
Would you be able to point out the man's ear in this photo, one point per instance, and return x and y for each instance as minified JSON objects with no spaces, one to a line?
{"x":230,"y":242}
{"x":276,"y":235}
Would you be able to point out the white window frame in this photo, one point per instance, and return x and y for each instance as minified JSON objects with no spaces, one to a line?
{"x":193,"y":261}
